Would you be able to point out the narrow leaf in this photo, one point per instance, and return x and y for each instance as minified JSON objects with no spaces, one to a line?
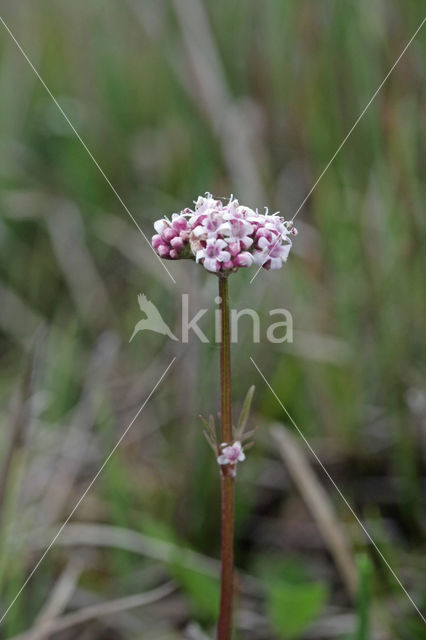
{"x":242,"y":420}
{"x":211,"y":443}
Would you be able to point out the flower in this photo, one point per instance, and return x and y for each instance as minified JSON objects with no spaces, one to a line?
{"x":224,"y":237}
{"x":213,"y":254}
{"x":231,"y":453}
{"x":270,"y":253}
{"x":237,"y":231}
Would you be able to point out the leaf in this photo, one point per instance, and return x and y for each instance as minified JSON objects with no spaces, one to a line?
{"x":210,"y":441}
{"x":159,"y":529}
{"x":273,"y":567}
{"x":201,"y":590}
{"x":293,"y":607}
{"x":242,"y":420}
{"x":210,"y":433}
{"x":365,"y":570}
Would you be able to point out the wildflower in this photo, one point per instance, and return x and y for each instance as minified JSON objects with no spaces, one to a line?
{"x":224,"y":237}
{"x":270,"y":253}
{"x":237,"y":231}
{"x":213,"y":254}
{"x":231,"y":453}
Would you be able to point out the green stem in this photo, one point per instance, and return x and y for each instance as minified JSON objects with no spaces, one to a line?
{"x":227,"y":481}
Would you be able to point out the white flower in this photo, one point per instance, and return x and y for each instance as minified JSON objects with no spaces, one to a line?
{"x":203,"y":204}
{"x":161,"y":225}
{"x":276,"y":223}
{"x":231,"y":453}
{"x":247,"y":213}
{"x":238,"y":230}
{"x":271,"y":255}
{"x":209,"y":225}
{"x":212,"y":254}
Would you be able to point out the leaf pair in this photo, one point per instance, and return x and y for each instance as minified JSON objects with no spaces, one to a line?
{"x":239,"y":431}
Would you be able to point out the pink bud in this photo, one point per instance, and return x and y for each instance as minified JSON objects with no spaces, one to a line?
{"x":163,"y":251}
{"x":173,"y":254}
{"x":156,"y":241}
{"x":177,"y":243}
{"x":244,"y":259}
{"x":227,"y":265}
{"x":234,"y":248}
{"x":179,"y":223}
{"x":168,"y":234}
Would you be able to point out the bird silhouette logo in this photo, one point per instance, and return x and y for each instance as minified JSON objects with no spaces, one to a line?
{"x":153,"y":320}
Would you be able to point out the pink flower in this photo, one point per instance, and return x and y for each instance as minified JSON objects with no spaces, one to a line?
{"x":276,"y":223}
{"x":271,"y":253}
{"x":238,"y":230}
{"x":205,"y":226}
{"x":203,"y":204}
{"x":224,"y":237}
{"x":231,"y":454}
{"x":213,"y":254}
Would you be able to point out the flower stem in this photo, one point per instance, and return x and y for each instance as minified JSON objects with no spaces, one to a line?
{"x":227,"y":480}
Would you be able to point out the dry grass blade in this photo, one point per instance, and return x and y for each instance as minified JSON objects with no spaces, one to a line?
{"x":118,"y":233}
{"x":234,"y":132}
{"x":102,"y":610}
{"x":22,"y":417}
{"x":319,"y":504}
{"x":78,"y":440}
{"x":19,"y":423}
{"x":67,"y":232}
{"x":61,"y":593}
{"x":102,"y":535}
{"x":17,"y":318}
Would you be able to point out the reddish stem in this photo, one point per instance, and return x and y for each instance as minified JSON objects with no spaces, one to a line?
{"x":224,"y":630}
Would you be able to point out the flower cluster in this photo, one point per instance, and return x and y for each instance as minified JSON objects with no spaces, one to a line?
{"x":224,"y":237}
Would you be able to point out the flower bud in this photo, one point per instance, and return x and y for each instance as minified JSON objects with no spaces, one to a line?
{"x":227,"y":265}
{"x":243,"y":259}
{"x":163,"y":251}
{"x":168,"y":234}
{"x":177,"y":243}
{"x":156,"y":241}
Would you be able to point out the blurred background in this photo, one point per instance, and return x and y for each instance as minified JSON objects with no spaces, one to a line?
{"x":175,"y":98}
